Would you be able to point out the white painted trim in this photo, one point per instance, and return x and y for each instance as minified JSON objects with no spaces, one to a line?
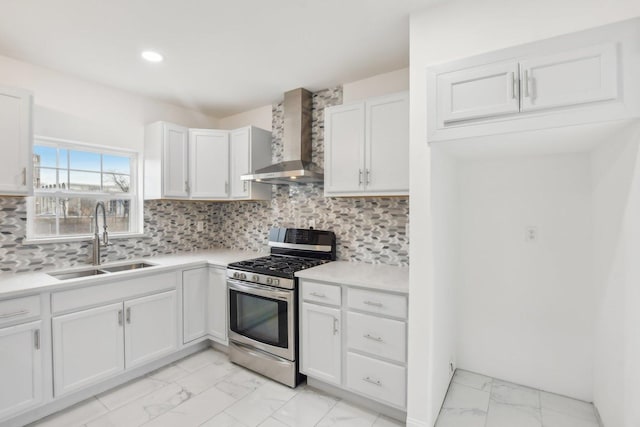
{"x":412,"y":422}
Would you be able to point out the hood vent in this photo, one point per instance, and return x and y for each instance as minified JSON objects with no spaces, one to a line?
{"x":296,"y":166}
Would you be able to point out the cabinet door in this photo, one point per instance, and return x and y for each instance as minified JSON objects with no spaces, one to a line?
{"x":240,"y":142}
{"x":175,"y":168}
{"x":218,"y":302}
{"x":16,"y":140}
{"x":344,"y":149}
{"x":151,"y":328}
{"x":320,"y":340}
{"x":88,"y":347}
{"x":20,"y":368}
{"x":194,"y":303}
{"x":209,"y":151}
{"x":478,"y":92}
{"x":575,"y":77}
{"x":387,"y":147}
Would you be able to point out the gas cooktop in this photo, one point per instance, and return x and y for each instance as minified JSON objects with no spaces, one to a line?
{"x":277,"y":265}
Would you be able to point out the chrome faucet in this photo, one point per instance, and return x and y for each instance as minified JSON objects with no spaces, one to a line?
{"x":96,"y":236}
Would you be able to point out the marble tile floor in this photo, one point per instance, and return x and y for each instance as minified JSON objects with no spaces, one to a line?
{"x":205,"y":389}
{"x":475,"y":400}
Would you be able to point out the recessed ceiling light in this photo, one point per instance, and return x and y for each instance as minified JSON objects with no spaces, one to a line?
{"x":152,"y":56}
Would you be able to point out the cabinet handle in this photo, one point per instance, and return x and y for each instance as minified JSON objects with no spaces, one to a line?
{"x":318,"y":294}
{"x":335,"y":326}
{"x":514,"y":86}
{"x":129,"y":315}
{"x":14,"y":314}
{"x":373,"y":303}
{"x":526,"y":83}
{"x":120,"y":317}
{"x":368,"y":176}
{"x":359,"y":176}
{"x":36,"y":338}
{"x":244,"y":185}
{"x":371,"y":337}
{"x":24,"y":176}
{"x":186,"y":186}
{"x":372,"y":381}
{"x":226,"y":187}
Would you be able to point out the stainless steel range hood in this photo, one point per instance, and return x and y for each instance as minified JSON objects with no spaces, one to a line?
{"x":296,"y":166}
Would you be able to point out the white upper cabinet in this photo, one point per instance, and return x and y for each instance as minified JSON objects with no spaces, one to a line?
{"x":580,"y":78}
{"x":250,"y":150}
{"x":204,"y":164}
{"x":367,"y":147}
{"x":209,"y":161}
{"x":569,"y":78}
{"x":484,"y":91}
{"x":16,"y":139}
{"x":166,"y":161}
{"x":387,"y":145}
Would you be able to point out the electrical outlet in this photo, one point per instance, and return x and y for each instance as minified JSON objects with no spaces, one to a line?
{"x":311,"y":223}
{"x":200,"y":225}
{"x":531,"y":234}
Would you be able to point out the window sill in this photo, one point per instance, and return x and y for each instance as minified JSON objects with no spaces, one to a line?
{"x":84,"y":238}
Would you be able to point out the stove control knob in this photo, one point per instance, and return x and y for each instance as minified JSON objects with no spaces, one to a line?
{"x":269,"y":280}
{"x":276,"y":282}
{"x":256,"y":278}
{"x":235,"y":275}
{"x":243,"y":276}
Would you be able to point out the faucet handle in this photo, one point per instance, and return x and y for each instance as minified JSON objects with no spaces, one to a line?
{"x":105,"y":237}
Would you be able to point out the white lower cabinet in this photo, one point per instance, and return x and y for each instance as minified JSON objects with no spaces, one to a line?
{"x":356,"y":339}
{"x":375,"y":378}
{"x":320,"y":341}
{"x":88,"y":346}
{"x":195,"y":284}
{"x":151,"y":329}
{"x":21,"y":378}
{"x":95,"y":344}
{"x":217,"y":305}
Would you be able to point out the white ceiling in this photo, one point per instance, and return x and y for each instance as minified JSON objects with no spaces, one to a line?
{"x":221,"y":56}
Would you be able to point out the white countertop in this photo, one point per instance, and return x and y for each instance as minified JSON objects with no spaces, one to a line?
{"x":17,"y":284}
{"x":371,"y":276}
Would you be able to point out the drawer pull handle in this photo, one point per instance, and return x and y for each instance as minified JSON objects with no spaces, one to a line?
{"x":14,"y":314}
{"x":372,"y":381}
{"x":318,"y":294}
{"x":373,"y":303}
{"x":371,"y":337}
{"x":335,"y":326}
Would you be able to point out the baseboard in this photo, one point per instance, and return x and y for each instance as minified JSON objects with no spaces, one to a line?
{"x":412,"y":422}
{"x":358,"y":400}
{"x":64,"y":402}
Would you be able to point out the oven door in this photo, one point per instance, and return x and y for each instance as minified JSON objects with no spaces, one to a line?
{"x":262,"y":317}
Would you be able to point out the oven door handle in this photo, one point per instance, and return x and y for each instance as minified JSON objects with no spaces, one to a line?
{"x":263,"y":291}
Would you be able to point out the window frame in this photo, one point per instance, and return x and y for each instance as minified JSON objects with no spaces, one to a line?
{"x":136,"y":206}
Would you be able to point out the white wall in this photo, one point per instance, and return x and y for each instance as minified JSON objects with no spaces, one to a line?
{"x":447,"y":31}
{"x":616,"y":212}
{"x":525,"y":310}
{"x":71,"y":108}
{"x":381,"y":84}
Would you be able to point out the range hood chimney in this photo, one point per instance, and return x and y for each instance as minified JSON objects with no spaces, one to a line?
{"x":296,"y":166}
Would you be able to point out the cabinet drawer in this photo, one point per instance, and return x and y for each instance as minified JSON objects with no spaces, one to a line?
{"x":19,"y":309}
{"x":377,"y":302}
{"x":377,"y":336}
{"x":383,"y":381}
{"x":322,"y":293}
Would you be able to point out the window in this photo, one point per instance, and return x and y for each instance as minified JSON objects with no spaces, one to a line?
{"x":69,"y":179}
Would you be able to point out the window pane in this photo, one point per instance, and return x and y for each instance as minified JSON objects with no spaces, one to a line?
{"x":63,"y":158}
{"x":44,"y":156}
{"x":44,"y":178}
{"x":84,"y":181}
{"x":77,"y":216}
{"x":44,"y":220}
{"x":116,"y":164}
{"x":84,"y":160}
{"x":114,"y":183}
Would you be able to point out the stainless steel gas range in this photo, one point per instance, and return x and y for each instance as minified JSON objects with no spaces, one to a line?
{"x":263,"y":302}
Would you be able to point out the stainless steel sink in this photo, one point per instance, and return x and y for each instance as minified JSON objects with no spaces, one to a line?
{"x":125,"y":267}
{"x":77,"y":274}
